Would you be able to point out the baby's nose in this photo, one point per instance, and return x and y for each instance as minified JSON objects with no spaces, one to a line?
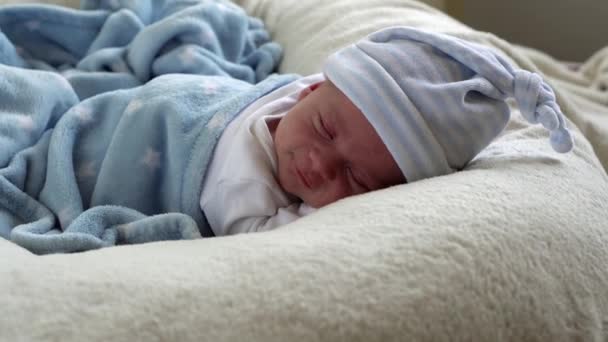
{"x":324,"y":163}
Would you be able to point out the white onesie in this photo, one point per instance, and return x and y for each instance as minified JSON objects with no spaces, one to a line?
{"x":240,"y":192}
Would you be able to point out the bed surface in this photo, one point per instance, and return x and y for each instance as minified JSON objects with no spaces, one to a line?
{"x":514,"y":248}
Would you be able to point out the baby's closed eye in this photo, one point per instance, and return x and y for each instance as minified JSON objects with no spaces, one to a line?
{"x":357,"y":182}
{"x":323,"y":128}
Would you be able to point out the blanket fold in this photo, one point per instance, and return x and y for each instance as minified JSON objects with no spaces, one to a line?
{"x":117,"y":45}
{"x":109,"y":144}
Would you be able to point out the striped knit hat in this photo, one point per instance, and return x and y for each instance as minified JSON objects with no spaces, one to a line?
{"x":435,"y":100}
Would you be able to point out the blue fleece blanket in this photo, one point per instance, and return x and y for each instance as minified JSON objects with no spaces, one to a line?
{"x":121,"y":44}
{"x":110,"y":142}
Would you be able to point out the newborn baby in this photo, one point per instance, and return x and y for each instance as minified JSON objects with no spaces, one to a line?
{"x":301,"y":147}
{"x":399,"y":106}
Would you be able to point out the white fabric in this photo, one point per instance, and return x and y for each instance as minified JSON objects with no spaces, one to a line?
{"x":240,"y":192}
{"x":514,"y":248}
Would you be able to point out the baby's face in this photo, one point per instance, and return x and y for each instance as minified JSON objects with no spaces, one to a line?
{"x":327,"y":150}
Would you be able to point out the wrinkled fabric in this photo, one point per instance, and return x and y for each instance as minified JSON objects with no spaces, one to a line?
{"x":109,"y":143}
{"x":113,"y":45}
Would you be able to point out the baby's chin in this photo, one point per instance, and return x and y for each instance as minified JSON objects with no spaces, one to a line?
{"x":282,"y":181}
{"x":315,"y":201}
{"x":296,"y":196}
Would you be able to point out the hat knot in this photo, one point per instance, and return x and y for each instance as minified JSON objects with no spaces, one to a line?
{"x":536,"y":102}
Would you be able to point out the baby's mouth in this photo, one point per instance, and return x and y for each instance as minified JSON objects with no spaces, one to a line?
{"x":303,"y":179}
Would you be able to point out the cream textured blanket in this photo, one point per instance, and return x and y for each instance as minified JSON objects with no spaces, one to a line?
{"x":514,"y":248}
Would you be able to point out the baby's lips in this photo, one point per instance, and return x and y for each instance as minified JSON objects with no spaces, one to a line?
{"x":306,"y":178}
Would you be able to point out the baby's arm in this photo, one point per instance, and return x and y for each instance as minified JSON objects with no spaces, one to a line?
{"x":251,"y":224}
{"x":249,"y":206}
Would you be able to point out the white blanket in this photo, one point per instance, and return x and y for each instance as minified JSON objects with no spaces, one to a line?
{"x":514,"y":248}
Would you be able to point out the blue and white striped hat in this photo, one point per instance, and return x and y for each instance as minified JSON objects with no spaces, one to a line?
{"x":436,"y":100}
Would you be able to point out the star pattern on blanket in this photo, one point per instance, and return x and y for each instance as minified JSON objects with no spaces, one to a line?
{"x":33,"y":25}
{"x":188,"y":55}
{"x":133,"y":106}
{"x":26,"y":123}
{"x":217,"y":121}
{"x":151,"y":159}
{"x":206,"y":36}
{"x":84,"y":114}
{"x":209,"y":87}
{"x":86,"y":170}
{"x":122,"y":229}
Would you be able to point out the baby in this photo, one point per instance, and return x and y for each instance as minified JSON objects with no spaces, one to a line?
{"x":399,"y":106}
{"x":301,"y":143}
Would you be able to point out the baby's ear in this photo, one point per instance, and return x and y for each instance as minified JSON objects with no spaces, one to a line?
{"x":308,"y":90}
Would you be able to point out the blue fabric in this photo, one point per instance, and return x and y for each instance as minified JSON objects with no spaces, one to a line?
{"x":437,"y":101}
{"x":121,"y":44}
{"x":123,"y":166}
